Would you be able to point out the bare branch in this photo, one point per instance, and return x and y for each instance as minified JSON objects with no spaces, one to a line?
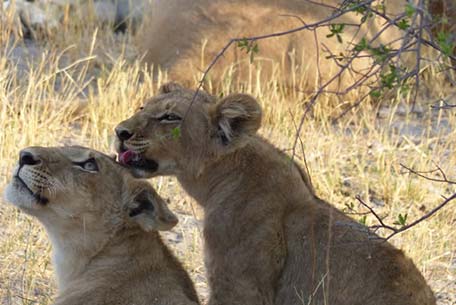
{"x":310,"y":26}
{"x":396,"y":231}
{"x":444,"y":106}
{"x":380,"y":220}
{"x":421,"y":174}
{"x":426,"y":216}
{"x":302,"y":149}
{"x":415,"y":35}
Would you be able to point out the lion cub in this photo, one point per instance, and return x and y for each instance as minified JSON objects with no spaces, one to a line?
{"x":103,"y":227}
{"x":269,"y":239}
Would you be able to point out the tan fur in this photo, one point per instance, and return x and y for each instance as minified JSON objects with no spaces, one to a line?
{"x":183,"y":37}
{"x":268,"y":238}
{"x":103,"y":228}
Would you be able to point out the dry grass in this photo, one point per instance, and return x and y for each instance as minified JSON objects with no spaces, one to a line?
{"x":88,"y":82}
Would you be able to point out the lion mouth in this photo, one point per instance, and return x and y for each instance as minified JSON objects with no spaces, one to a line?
{"x":136,"y":160}
{"x":21,"y":185}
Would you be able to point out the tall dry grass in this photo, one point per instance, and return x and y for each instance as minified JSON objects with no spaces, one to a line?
{"x":87,"y":81}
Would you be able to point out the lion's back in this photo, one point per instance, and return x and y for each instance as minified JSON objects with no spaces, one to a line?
{"x":345,"y":264}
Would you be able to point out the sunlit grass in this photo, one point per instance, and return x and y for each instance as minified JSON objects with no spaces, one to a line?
{"x":87,"y":83}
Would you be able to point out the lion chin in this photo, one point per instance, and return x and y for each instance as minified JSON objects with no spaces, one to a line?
{"x":17,"y":194}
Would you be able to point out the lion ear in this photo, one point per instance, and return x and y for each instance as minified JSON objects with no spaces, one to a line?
{"x":151,"y":212}
{"x":170,"y":87}
{"x":235,"y":116}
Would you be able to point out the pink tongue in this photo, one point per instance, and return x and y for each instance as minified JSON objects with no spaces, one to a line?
{"x":126,"y":156}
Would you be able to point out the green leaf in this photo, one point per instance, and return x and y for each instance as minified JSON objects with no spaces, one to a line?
{"x":339,"y":38}
{"x":362,"y":45}
{"x":250,"y":47}
{"x":176,"y":132}
{"x":410,"y":10}
{"x":404,"y":89}
{"x":349,"y":207}
{"x":381,"y":7}
{"x":380,"y":53}
{"x":445,"y":43}
{"x":336,"y":30}
{"x":401,"y":220}
{"x":388,"y":80}
{"x":362,"y":220}
{"x":255,"y":48}
{"x":403,"y":24}
{"x":375,"y":93}
{"x":354,"y":6}
{"x":243,"y":44}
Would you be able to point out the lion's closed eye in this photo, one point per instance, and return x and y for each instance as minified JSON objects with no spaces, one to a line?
{"x":169,"y":118}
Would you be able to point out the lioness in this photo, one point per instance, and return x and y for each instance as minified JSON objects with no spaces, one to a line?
{"x":103,"y":227}
{"x":183,"y":37}
{"x":269,"y":239}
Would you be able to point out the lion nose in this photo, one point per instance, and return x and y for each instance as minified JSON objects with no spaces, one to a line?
{"x":27,"y":158}
{"x":123,"y":133}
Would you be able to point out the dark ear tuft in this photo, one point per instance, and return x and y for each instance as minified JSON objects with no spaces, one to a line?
{"x":144,"y":205}
{"x":170,"y":87}
{"x":235,"y":116}
{"x":151,"y":212}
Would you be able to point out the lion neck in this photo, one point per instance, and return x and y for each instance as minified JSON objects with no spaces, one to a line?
{"x":257,"y":164}
{"x":81,"y":253}
{"x":221,"y":177}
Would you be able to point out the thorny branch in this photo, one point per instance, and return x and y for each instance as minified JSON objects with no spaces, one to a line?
{"x":396,"y":230}
{"x":375,"y":79}
{"x":413,"y":39}
{"x":252,"y":39}
{"x":438,"y":169}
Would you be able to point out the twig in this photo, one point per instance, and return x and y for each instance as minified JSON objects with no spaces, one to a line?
{"x":379,"y":219}
{"x":445,"y":105}
{"x":415,"y":35}
{"x":267,"y":36}
{"x":418,"y":52}
{"x":302,"y":149}
{"x":426,"y":216}
{"x":396,"y":231}
{"x":420,"y":174}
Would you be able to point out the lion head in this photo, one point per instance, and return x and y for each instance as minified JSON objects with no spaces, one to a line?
{"x":76,"y":187}
{"x":181,"y":130}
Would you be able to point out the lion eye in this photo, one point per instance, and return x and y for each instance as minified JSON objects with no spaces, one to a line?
{"x":169,"y":118}
{"x":89,"y":165}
